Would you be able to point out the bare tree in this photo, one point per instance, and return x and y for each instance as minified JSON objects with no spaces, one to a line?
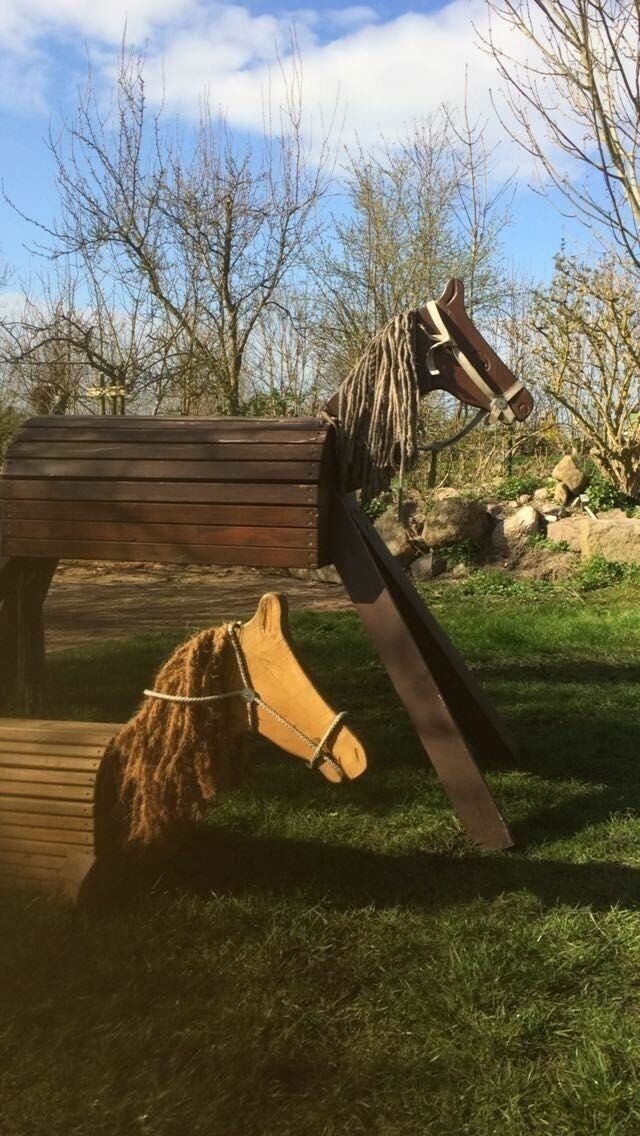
{"x":177,"y":252}
{"x":573,"y":90}
{"x":588,"y":323}
{"x":417,"y":211}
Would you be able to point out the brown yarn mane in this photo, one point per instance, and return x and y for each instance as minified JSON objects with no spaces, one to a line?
{"x":174,"y":758}
{"x":378,"y":410}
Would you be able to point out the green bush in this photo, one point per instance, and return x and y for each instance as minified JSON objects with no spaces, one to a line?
{"x":598,"y":572}
{"x":462,"y":552}
{"x":604,"y":495}
{"x":378,"y":505}
{"x":513,"y":486}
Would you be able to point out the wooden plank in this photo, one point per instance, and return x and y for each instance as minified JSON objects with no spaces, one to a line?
{"x":165,"y":553}
{"x":171,"y":451}
{"x":15,"y":818}
{"x":163,"y":470}
{"x":12,"y":758}
{"x":166,"y":492}
{"x":484,"y":730}
{"x":44,"y":777}
{"x":187,"y":425}
{"x":175,"y":534}
{"x":208,"y":435}
{"x":19,"y":858}
{"x":43,"y":807}
{"x":265,"y":516}
{"x":414,"y":683}
{"x":75,"y":747}
{"x":54,"y":729}
{"x":10,"y":787}
{"x":37,"y":845}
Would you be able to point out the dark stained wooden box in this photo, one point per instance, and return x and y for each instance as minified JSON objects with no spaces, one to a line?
{"x":245,"y":491}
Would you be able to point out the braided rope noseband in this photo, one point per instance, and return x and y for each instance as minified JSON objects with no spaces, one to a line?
{"x":252,"y":698}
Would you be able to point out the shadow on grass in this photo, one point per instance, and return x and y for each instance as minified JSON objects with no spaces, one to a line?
{"x":229,"y":863}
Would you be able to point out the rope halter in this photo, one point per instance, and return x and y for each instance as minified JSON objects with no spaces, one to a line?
{"x":499,"y":409}
{"x":251,"y":697}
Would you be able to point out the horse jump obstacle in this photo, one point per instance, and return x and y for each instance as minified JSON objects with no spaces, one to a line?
{"x":268,"y":493}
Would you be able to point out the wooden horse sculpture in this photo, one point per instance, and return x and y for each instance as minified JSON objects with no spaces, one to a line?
{"x":165,"y":767}
{"x":270,"y":492}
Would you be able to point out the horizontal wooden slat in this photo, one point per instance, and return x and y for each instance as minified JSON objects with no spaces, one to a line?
{"x":36,"y":859}
{"x":36,"y":844}
{"x":54,"y":807}
{"x":74,"y":746}
{"x":55,"y":729}
{"x":21,"y":755}
{"x":263,"y":516}
{"x":137,"y":422}
{"x":147,"y":533}
{"x":162,"y":470}
{"x":17,"y":818}
{"x":198,"y":492}
{"x":162,"y":553}
{"x":170,"y":452}
{"x":10,"y":787}
{"x":42,"y":778}
{"x":211,"y":434}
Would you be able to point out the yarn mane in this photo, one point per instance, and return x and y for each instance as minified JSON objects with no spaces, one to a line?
{"x":378,"y":410}
{"x":174,"y":758}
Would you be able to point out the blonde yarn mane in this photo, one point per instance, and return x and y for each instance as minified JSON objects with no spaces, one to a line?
{"x":378,"y":408}
{"x":174,"y":758}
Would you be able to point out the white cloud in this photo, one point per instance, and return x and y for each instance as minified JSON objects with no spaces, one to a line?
{"x":26,"y":23}
{"x":387,"y":72}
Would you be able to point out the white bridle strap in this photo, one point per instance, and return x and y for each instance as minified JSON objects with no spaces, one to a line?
{"x":252,"y":698}
{"x":499,"y":407}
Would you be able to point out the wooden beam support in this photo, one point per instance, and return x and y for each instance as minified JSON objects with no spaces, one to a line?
{"x":413,"y":680}
{"x":24,"y":583}
{"x":486,"y":733}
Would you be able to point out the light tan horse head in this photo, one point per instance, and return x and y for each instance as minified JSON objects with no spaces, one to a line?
{"x":274,"y":673}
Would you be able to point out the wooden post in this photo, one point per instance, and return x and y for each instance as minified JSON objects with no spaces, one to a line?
{"x":414,"y":682}
{"x":24,"y":583}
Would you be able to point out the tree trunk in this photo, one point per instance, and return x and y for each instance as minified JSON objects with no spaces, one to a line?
{"x":24,"y":583}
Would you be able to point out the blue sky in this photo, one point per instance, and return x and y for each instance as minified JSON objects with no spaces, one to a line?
{"x":388,"y":63}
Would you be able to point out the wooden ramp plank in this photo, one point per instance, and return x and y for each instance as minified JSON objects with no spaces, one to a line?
{"x":412,"y":678}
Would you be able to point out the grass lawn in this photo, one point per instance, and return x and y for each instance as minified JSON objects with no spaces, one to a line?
{"x":338,"y":961}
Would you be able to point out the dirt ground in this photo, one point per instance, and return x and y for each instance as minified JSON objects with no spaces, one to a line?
{"x":93,"y":602}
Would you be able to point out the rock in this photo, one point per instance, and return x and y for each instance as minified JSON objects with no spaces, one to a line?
{"x":524,"y":499}
{"x":412,"y":512}
{"x":615,"y":539}
{"x":562,"y":495}
{"x":569,"y":473}
{"x":496,"y":509}
{"x":427,"y":567}
{"x":510,"y":535}
{"x":460,"y":571}
{"x":541,"y":497}
{"x":395,"y":536}
{"x":327,"y":574}
{"x":567,"y":529}
{"x":450,"y":518}
{"x":554,"y":512}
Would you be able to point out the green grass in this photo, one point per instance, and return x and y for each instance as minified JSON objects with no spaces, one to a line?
{"x":343,"y":960}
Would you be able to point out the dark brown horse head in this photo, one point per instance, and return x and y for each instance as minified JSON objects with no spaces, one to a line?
{"x":452,"y":355}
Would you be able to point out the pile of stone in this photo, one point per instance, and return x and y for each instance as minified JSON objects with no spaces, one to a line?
{"x":423,"y":534}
